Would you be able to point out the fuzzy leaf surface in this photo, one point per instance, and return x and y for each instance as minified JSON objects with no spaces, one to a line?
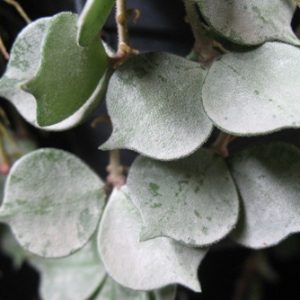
{"x":52,"y":195}
{"x":68,"y":73}
{"x":192,"y":200}
{"x":23,"y":65}
{"x":143,"y":265}
{"x":256,"y":92}
{"x":251,"y":22}
{"x":74,"y":277}
{"x":268,"y":178}
{"x":154,"y":101}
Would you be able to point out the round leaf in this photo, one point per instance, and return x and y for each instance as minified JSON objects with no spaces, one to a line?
{"x":268,"y":179}
{"x":68,"y":73}
{"x":92,"y":19}
{"x":111,"y":290}
{"x":53,"y":202}
{"x":154,"y":101}
{"x":74,"y":277}
{"x":143,"y":265}
{"x":193,"y":200}
{"x":255,"y":92}
{"x":23,"y":65}
{"x":251,"y":22}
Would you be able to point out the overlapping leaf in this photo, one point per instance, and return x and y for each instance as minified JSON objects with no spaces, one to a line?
{"x":74,"y":277}
{"x":255,"y":92}
{"x":251,"y":22}
{"x":68,"y":74}
{"x":143,"y":265}
{"x":154,"y":101}
{"x":192,"y":200}
{"x":23,"y":65}
{"x":268,"y":178}
{"x":53,"y":202}
{"x":111,"y":290}
{"x":92,"y":19}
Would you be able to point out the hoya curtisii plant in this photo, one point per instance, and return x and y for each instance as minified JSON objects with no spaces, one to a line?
{"x":155,"y":227}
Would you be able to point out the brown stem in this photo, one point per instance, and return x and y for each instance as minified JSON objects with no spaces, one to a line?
{"x":204,"y":46}
{"x":19,"y":9}
{"x":124,"y":48}
{"x":221,"y":143}
{"x":115,"y":170}
{"x":3,"y":49}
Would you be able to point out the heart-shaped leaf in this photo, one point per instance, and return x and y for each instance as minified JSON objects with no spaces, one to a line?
{"x":268,"y":178}
{"x":255,"y":92}
{"x":92,"y":19}
{"x":111,"y":290}
{"x":192,"y":200}
{"x":74,"y":277}
{"x":154,"y":101}
{"x":68,"y":73}
{"x":143,"y":265}
{"x":251,"y":22}
{"x":23,"y":65}
{"x":52,"y":195}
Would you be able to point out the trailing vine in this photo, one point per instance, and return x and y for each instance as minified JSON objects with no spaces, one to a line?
{"x":139,"y":235}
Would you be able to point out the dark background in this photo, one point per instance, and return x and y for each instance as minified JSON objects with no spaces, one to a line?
{"x":228,"y":271}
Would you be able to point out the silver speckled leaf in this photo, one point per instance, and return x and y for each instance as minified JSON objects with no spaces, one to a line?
{"x":192,"y":200}
{"x":111,"y":290}
{"x":75,"y":277}
{"x":68,"y":74}
{"x":23,"y":65}
{"x":53,"y":202}
{"x":143,"y":265}
{"x":154,"y":101}
{"x":251,"y":22}
{"x":256,"y":92}
{"x":268,"y":178}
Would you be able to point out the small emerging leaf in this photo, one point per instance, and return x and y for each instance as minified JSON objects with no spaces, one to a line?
{"x":268,"y":178}
{"x":68,"y":74}
{"x":256,"y":92}
{"x":92,"y":19}
{"x":111,"y":290}
{"x":143,"y":265}
{"x":251,"y":22}
{"x":154,"y":101}
{"x":192,"y":200}
{"x":53,"y":202}
{"x":74,"y":277}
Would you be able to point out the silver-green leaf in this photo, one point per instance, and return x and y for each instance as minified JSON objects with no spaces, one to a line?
{"x":154,"y":101}
{"x":68,"y":74}
{"x":192,"y":200}
{"x":268,"y":178}
{"x":74,"y":277}
{"x":256,"y":92}
{"x":251,"y":22}
{"x":53,"y":202}
{"x":23,"y":65}
{"x":92,"y":19}
{"x":111,"y":290}
{"x":143,"y":265}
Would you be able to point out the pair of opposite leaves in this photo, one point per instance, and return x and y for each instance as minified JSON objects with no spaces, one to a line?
{"x":184,"y":200}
